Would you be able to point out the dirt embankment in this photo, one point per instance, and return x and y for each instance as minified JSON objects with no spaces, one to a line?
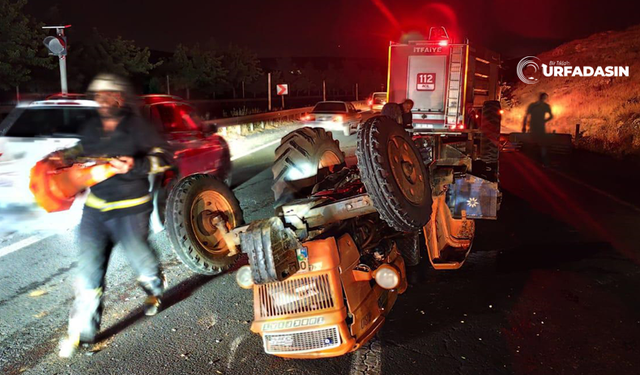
{"x":607,"y":108}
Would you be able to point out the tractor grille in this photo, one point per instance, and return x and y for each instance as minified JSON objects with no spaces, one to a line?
{"x":298,"y":294}
{"x":302,"y":341}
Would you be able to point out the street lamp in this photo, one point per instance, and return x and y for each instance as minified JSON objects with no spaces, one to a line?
{"x":57,"y":45}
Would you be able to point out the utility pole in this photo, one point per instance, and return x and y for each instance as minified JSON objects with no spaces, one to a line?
{"x":168,"y":86}
{"x":269,"y":89}
{"x":324,"y":91}
{"x":57,"y":45}
{"x":17,"y":94}
{"x":356,"y":92}
{"x":242,"y":89}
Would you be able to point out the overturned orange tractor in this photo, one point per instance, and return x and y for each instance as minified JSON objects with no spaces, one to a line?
{"x":328,"y":267}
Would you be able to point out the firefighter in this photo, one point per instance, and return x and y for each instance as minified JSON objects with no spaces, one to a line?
{"x":407,"y":118}
{"x":537,"y":116}
{"x":117,"y":210}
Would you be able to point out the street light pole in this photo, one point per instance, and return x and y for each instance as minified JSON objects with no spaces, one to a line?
{"x":58,"y":46}
{"x":269,"y":89}
{"x":63,"y":74}
{"x":324,"y":91}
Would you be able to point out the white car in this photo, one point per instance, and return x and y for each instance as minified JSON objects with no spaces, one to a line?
{"x":334,"y":115}
{"x":377,"y":100}
{"x":31,"y":132}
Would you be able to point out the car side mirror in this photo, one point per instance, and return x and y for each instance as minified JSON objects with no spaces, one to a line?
{"x":358,"y":110}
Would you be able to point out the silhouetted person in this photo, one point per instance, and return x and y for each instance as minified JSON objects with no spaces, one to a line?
{"x":407,"y":118}
{"x":537,"y":115}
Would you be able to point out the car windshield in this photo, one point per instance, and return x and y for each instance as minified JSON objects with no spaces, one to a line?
{"x":329,"y":107}
{"x":46,"y":122}
{"x":175,"y":117}
{"x":379,"y":98}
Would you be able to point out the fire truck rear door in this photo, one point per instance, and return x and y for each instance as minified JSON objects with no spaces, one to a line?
{"x":427,"y":78}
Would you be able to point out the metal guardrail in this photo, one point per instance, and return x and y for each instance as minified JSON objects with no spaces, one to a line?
{"x":250,"y":123}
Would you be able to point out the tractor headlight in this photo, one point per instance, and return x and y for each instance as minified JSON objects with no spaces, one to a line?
{"x":244,"y":277}
{"x":387,"y":277}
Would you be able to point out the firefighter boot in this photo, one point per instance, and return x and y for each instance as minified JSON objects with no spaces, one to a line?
{"x":154,"y":287}
{"x":84,"y":321}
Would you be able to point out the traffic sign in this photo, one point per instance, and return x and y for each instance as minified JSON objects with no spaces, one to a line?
{"x":282,"y":89}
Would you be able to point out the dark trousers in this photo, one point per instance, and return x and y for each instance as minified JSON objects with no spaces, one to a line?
{"x":98,"y":235}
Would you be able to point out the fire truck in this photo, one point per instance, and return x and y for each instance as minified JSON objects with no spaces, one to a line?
{"x":448,"y":82}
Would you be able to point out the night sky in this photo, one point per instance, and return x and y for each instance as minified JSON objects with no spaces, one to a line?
{"x":281,"y":28}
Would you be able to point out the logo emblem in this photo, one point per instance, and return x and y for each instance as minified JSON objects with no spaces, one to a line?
{"x":529,"y":70}
{"x":472,"y":202}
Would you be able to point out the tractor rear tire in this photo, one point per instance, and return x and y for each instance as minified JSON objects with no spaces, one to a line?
{"x":394,"y":174}
{"x":489,"y":151}
{"x":303,"y":158}
{"x":191,"y":205}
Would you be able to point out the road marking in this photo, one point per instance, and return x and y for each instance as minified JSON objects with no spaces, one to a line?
{"x":23,"y":243}
{"x":236,"y":157}
{"x":595,"y":189}
{"x":234,"y":347}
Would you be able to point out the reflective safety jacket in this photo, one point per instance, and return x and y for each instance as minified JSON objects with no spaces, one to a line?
{"x":127,"y":193}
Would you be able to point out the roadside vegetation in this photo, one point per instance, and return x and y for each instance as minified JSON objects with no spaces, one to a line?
{"x":195,"y":71}
{"x":607,"y":108}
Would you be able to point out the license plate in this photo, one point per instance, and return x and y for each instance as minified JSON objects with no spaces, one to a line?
{"x":281,"y":340}
{"x":303,"y":259}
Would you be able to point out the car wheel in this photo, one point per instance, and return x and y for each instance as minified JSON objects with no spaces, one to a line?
{"x":394,"y":174}
{"x":191,"y":206}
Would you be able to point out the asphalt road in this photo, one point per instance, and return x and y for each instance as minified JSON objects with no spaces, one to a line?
{"x":550,"y":287}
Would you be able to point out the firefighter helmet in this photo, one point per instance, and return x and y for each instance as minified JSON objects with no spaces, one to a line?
{"x":108,"y":82}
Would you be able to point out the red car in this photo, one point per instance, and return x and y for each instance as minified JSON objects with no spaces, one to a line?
{"x":198,"y":149}
{"x":202,"y":168}
{"x":196,"y":190}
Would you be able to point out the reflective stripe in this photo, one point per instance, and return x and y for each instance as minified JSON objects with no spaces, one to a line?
{"x":157,"y":150}
{"x":147,"y":279}
{"x":155,"y":164}
{"x":103,"y":206}
{"x":155,"y":167}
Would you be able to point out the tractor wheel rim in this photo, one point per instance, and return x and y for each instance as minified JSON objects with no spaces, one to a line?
{"x":206,"y":206}
{"x":406,"y":170}
{"x":328,"y":159}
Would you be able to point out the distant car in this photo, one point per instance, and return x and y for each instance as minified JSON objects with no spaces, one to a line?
{"x":377,"y":100}
{"x":33,"y":131}
{"x":334,"y":115}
